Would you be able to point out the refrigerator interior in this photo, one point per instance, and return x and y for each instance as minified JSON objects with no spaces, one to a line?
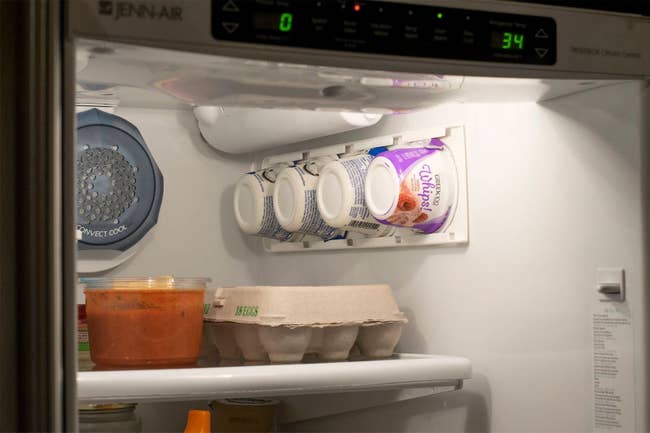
{"x":554,"y":192}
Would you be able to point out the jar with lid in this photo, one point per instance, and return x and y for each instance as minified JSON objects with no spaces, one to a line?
{"x":109,"y":418}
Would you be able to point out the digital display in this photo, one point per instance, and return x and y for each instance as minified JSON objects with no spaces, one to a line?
{"x":508,"y":40}
{"x":274,"y":21}
{"x":397,"y":28}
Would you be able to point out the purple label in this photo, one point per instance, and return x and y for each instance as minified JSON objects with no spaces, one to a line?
{"x":433,"y":225}
{"x":403,"y":159}
{"x":418,"y":205}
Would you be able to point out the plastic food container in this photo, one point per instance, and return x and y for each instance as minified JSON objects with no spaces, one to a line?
{"x":140,"y":322}
{"x":413,"y":187}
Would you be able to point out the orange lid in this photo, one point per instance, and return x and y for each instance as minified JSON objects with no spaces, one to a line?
{"x":198,"y":421}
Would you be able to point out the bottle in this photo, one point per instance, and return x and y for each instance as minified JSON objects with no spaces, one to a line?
{"x":340,"y":197}
{"x":253,"y":205}
{"x":294,"y":200}
{"x":414,"y":187}
{"x":198,"y":421}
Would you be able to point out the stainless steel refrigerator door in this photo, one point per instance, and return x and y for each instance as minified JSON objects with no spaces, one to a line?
{"x":36,"y":258}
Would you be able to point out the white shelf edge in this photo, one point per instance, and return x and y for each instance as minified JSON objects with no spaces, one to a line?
{"x":403,"y":371}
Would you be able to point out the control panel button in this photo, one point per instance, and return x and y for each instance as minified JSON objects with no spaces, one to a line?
{"x":230,"y":6}
{"x":541,"y":34}
{"x":230,"y":26}
{"x":412,"y":31}
{"x":541,"y":52}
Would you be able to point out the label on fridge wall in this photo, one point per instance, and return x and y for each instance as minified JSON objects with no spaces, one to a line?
{"x":613,"y":368}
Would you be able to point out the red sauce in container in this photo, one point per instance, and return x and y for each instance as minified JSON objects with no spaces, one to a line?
{"x":148,"y":326}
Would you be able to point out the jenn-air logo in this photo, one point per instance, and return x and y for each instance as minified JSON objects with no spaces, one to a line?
{"x":142,"y":10}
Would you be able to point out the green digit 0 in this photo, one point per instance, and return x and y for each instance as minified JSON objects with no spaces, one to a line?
{"x":286,"y":22}
{"x":507,"y":41}
{"x":519,"y":41}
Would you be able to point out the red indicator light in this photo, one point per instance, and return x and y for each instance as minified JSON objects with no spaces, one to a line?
{"x":357,"y":8}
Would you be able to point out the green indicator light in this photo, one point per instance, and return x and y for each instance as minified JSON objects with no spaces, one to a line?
{"x":439,"y":15}
{"x":286,"y":22}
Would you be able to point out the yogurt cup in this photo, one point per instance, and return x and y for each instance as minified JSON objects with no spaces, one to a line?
{"x":253,"y":205}
{"x":294,"y":200}
{"x":341,"y":199}
{"x":413,"y":187}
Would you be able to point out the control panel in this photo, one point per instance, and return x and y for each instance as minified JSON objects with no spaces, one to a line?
{"x":388,"y":28}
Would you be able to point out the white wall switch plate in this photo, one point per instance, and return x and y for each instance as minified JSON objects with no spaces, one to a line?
{"x":610,"y":284}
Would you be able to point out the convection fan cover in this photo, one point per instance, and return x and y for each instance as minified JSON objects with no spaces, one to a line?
{"x":119,"y":185}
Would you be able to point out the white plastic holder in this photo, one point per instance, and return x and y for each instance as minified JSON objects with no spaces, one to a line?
{"x":95,"y":261}
{"x":100,"y":260}
{"x":455,"y":231}
{"x":228,"y":128}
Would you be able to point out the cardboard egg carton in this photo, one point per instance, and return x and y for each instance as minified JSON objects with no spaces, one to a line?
{"x":283,"y":324}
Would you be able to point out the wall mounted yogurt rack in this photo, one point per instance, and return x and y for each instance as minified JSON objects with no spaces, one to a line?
{"x":456,"y":230}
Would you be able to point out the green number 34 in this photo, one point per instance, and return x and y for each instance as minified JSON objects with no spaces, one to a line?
{"x":511,"y":40}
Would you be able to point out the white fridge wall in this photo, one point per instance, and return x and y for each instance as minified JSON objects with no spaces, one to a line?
{"x":554,"y":193}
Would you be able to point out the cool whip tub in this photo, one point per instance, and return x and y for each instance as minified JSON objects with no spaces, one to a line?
{"x":253,"y":204}
{"x":294,"y":200}
{"x":341,"y":199}
{"x":413,"y":187}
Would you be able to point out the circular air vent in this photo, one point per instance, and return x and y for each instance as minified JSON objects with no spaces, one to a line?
{"x":119,"y":185}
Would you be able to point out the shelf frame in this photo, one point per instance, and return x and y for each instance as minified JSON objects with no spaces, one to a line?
{"x":442,"y":373}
